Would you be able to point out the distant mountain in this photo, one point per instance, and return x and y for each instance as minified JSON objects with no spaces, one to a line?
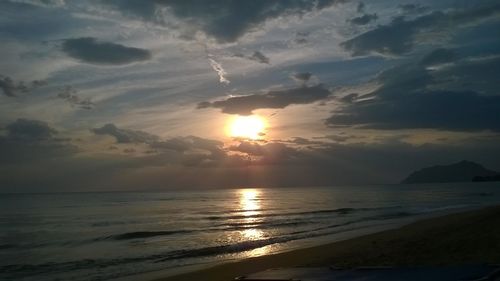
{"x":464,"y":171}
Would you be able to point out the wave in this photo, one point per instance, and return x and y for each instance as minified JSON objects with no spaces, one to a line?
{"x":23,"y":270}
{"x":143,"y":234}
{"x":425,"y":210}
{"x":341,"y":211}
{"x":232,"y":225}
{"x":220,"y":227}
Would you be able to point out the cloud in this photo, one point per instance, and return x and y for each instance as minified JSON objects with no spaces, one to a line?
{"x":302,"y":77}
{"x":226,"y":21}
{"x":259,"y":57}
{"x":244,"y":105}
{"x":301,"y":38}
{"x":11,"y":89}
{"x":68,"y":94}
{"x":400,"y":35}
{"x":279,"y":165}
{"x":413,"y":9}
{"x":364,"y":19}
{"x":187,"y":162}
{"x":125,"y":135}
{"x":29,"y":130}
{"x":194,"y":150}
{"x":414,"y":97}
{"x":256,"y":56}
{"x":185,"y":151}
{"x":477,"y":74}
{"x":267,"y":154}
{"x":42,"y":3}
{"x":90,"y":50}
{"x":183,"y":144}
{"x":459,"y":111}
{"x":361,"y":7}
{"x":30,"y":141}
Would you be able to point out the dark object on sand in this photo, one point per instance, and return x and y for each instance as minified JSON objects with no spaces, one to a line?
{"x":456,"y":273}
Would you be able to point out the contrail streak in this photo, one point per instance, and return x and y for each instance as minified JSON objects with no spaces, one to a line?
{"x":215,"y":65}
{"x":220,"y":71}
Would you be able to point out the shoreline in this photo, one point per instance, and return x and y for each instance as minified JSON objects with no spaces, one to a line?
{"x":469,"y":237}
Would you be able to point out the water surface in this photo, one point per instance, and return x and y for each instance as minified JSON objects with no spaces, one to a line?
{"x":102,"y":236}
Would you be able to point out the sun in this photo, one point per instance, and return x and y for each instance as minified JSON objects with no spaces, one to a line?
{"x":247,"y":127}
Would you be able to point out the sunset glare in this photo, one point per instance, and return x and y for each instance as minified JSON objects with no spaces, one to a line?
{"x":247,"y":127}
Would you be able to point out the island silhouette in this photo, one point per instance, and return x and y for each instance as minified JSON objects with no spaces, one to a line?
{"x":463,"y":171}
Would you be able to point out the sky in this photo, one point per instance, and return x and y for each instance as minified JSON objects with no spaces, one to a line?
{"x":104,"y":95}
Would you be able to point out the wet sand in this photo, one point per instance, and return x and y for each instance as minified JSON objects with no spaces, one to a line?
{"x":471,"y":237}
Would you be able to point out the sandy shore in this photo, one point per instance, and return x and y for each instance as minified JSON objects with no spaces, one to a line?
{"x":471,"y":237}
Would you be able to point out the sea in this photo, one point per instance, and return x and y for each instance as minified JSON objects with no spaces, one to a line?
{"x":145,"y":235}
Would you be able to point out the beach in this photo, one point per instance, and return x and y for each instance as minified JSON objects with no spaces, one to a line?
{"x":470,"y":237}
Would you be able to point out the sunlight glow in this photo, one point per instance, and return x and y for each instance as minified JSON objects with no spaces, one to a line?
{"x":247,"y":127}
{"x":250,"y":207}
{"x":248,"y":202}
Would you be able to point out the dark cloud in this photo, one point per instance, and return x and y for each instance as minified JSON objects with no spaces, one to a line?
{"x":461,"y":111}
{"x":250,"y":148}
{"x":439,"y":56}
{"x":125,"y":135}
{"x":69,"y":94}
{"x":303,"y":141}
{"x":31,"y":141}
{"x":29,"y":130}
{"x":412,"y":97}
{"x":260,"y":57}
{"x":393,"y":39}
{"x":256,"y":56}
{"x":341,"y":137}
{"x":364,"y":19}
{"x":361,"y":7}
{"x":400,"y":36}
{"x":302,"y":77}
{"x":183,"y":144}
{"x":267,"y":154}
{"x":184,"y":151}
{"x":224,"y":20}
{"x":244,"y":105}
{"x":194,"y":151}
{"x":90,"y":50}
{"x":11,"y":88}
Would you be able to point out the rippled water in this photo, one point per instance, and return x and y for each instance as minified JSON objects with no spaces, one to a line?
{"x":101,"y":236}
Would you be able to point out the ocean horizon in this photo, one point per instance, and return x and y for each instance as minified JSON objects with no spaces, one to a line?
{"x":132,"y":235}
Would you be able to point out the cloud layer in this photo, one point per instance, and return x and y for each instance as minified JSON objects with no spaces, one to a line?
{"x":225,"y":20}
{"x":244,"y":105}
{"x":90,"y":50}
{"x":401,"y":35}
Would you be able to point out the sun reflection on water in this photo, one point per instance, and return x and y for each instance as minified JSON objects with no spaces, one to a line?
{"x":250,"y":208}
{"x":249,"y":202}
